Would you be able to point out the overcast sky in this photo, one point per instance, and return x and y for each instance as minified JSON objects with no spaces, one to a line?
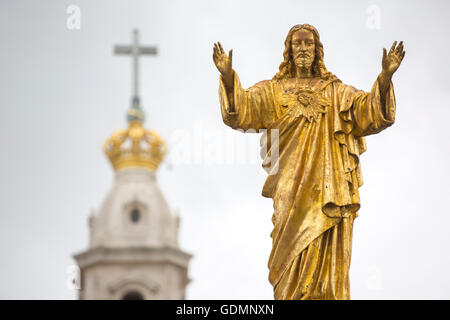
{"x":63,"y":93}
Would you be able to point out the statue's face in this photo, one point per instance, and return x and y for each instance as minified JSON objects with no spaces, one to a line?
{"x":303,"y":48}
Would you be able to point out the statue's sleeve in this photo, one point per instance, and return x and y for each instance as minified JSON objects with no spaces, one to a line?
{"x":365,"y":110}
{"x":254,"y":108}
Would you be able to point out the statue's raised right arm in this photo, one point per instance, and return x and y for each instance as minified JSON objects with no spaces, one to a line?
{"x":253,"y":108}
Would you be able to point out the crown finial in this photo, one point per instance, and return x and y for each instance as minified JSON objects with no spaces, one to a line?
{"x":135,"y":113}
{"x":135,"y":50}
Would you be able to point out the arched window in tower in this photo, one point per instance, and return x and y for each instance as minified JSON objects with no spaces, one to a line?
{"x":132,"y":295}
{"x":135,"y":215}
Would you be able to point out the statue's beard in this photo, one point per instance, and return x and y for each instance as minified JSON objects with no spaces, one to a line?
{"x":304,"y":61}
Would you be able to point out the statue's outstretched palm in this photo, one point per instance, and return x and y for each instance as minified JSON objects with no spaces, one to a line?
{"x":391,"y":61}
{"x":222,"y":61}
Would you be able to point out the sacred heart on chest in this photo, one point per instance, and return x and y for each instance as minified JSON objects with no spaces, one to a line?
{"x":304,"y":103}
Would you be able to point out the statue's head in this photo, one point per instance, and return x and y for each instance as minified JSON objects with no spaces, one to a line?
{"x":303,"y":49}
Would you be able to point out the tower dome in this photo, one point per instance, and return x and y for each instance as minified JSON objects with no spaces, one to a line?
{"x":134,"y":213}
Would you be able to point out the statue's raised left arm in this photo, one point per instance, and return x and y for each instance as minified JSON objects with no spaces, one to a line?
{"x":374,"y":111}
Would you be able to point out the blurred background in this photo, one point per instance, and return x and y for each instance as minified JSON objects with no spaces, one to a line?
{"x":63,"y":93}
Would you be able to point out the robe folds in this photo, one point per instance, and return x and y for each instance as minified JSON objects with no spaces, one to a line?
{"x":315,"y":178}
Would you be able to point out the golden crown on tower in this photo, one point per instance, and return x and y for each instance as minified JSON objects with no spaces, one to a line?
{"x":135,"y":146}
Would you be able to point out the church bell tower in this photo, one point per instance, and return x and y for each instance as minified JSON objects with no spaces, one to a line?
{"x":133,"y":248}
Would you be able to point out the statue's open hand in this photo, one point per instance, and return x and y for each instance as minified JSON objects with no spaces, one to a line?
{"x":391,"y":61}
{"x":222,"y":61}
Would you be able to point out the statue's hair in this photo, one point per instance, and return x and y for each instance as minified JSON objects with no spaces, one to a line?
{"x":287,"y":67}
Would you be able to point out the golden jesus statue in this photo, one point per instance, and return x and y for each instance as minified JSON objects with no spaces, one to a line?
{"x":321,"y":125}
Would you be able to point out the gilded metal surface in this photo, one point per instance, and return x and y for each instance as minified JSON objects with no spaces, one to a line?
{"x":321,"y":124}
{"x":135,"y":147}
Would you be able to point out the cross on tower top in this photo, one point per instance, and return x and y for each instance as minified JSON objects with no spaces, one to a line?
{"x":135,"y":112}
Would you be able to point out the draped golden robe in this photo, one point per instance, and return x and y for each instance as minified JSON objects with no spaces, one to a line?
{"x":314,"y":184}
